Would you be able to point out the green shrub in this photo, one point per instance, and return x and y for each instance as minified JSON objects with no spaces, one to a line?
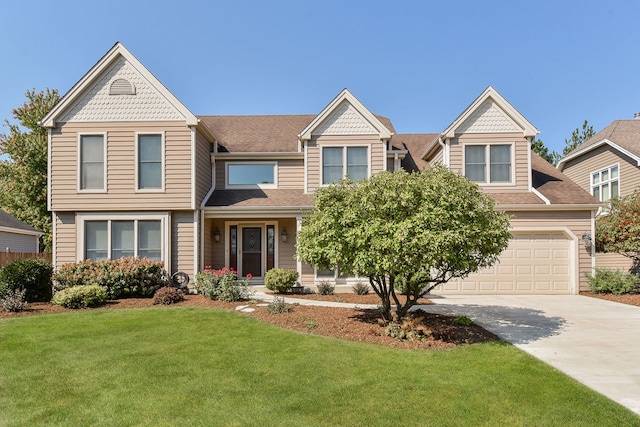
{"x":32,"y":275}
{"x":280,"y":280}
{"x":168,"y":295}
{"x":122,"y":278}
{"x":80,"y":296}
{"x":14,"y":300}
{"x":463,"y":321}
{"x":223,"y":285}
{"x":361,"y":288}
{"x":278,"y":306}
{"x":613,"y":281}
{"x":326,"y":288}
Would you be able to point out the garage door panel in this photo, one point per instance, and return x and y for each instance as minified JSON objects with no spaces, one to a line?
{"x":533,"y":263}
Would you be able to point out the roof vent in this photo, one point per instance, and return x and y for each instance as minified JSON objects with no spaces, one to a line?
{"x":122,"y":87}
{"x":636,"y":116}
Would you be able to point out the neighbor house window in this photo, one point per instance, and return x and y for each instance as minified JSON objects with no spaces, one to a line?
{"x":340,"y":162}
{"x":92,"y":162}
{"x":150,"y":174}
{"x":113,"y":239}
{"x":488,"y":163}
{"x":251,"y":175}
{"x":605,"y":183}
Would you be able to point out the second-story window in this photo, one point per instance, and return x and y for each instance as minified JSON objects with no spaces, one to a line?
{"x":488,"y":163}
{"x":150,"y":174}
{"x":251,"y":175}
{"x":340,"y":162}
{"x":605,"y":183}
{"x":92,"y":162}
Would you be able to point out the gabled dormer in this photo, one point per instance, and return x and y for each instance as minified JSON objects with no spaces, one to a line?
{"x":345,"y":139}
{"x":490,"y":143}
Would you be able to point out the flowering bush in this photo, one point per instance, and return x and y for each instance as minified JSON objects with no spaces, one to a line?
{"x":223,"y":284}
{"x":121,"y":278}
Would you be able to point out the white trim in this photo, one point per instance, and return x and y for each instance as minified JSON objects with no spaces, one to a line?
{"x":242,"y":224}
{"x":165,"y":227}
{"x":213,"y":183}
{"x":49,"y":139}
{"x":54,"y":245}
{"x":544,"y":207}
{"x":446,"y":156}
{"x":306,"y":167}
{"x":163,"y":177}
{"x":298,"y":261}
{"x":19,"y":231}
{"x":593,"y":242}
{"x":529,"y":169}
{"x":608,"y":182}
{"x":540,"y":195}
{"x":598,"y":144}
{"x":250,"y":186}
{"x":194,"y":184}
{"x":344,"y":159}
{"x":201,"y":240}
{"x":79,"y":188}
{"x":487,"y":145}
{"x":258,"y":156}
{"x":385,"y":159}
{"x":196,"y":240}
{"x":254,"y":211}
{"x":118,"y":50}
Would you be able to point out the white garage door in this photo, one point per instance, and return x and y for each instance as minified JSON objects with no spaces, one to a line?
{"x":534,"y":263}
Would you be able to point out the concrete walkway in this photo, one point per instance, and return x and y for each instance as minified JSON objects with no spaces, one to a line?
{"x":596,"y":342}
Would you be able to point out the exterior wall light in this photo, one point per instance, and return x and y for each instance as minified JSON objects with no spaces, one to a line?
{"x":216,"y":234}
{"x":587,"y":240}
{"x":283,"y":235}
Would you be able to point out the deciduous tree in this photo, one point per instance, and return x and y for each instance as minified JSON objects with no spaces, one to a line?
{"x":415,"y":231}
{"x":23,"y":175}
{"x":619,"y":230}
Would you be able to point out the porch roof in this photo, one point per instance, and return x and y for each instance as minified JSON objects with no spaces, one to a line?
{"x":279,"y":198}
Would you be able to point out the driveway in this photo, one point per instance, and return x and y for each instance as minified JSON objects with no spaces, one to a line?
{"x":597,"y":342}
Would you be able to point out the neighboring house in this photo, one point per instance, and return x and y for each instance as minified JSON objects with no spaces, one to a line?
{"x":16,"y":236}
{"x":134,"y":172}
{"x":607,"y":165}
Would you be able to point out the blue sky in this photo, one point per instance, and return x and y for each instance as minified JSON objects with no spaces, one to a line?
{"x":420,"y":63}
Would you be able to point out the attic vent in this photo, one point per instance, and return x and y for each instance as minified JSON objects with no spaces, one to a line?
{"x":122,"y":87}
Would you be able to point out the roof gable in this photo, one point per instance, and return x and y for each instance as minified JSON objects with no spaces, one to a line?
{"x":345,"y":115}
{"x":490,"y":113}
{"x":118,"y":88}
{"x":10,"y":223}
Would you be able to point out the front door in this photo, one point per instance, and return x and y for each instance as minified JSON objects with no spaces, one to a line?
{"x":252,"y":251}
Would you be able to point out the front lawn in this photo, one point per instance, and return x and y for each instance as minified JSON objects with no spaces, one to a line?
{"x":196,"y":366}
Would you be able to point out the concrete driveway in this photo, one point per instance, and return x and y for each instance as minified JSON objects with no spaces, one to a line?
{"x":596,"y":342}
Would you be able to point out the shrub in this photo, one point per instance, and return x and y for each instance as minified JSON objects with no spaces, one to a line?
{"x":32,"y":275}
{"x":408,"y":329}
{"x":463,"y":321}
{"x":280,"y":280}
{"x":223,"y":284}
{"x":326,"y":288}
{"x":612,"y":281}
{"x":122,"y":278}
{"x":168,"y":295}
{"x":361,"y":288}
{"x":278,"y":306}
{"x":14,"y":300}
{"x":80,"y":296}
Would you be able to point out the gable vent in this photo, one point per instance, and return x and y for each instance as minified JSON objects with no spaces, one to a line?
{"x":122,"y":87}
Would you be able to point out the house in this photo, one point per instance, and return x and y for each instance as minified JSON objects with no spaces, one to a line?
{"x":607,"y":165}
{"x":133,"y":172}
{"x":16,"y":236}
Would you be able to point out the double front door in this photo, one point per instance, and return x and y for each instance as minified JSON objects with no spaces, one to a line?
{"x":252,"y":249}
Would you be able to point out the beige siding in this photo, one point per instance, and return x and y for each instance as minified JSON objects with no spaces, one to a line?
{"x":120,"y":168}
{"x":520,"y":161}
{"x":65,"y":239}
{"x":287,"y":250}
{"x":580,"y":169}
{"x":182,"y":242}
{"x":613,"y":260}
{"x":290,"y":174}
{"x":438,"y":157}
{"x":377,"y":152}
{"x":203,"y":167}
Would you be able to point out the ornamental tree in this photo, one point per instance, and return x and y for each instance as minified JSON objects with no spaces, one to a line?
{"x":619,"y":231}
{"x":406,"y":232}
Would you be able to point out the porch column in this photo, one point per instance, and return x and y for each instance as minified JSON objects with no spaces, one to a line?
{"x":298,"y":262}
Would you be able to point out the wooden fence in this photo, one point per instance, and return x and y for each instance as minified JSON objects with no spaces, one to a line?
{"x":7,"y":257}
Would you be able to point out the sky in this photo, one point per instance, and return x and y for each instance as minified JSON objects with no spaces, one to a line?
{"x":419,"y":63}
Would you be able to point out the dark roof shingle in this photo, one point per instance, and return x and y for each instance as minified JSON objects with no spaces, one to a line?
{"x":9,"y":221}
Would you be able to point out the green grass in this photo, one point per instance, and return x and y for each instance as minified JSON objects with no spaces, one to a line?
{"x":191,"y":366}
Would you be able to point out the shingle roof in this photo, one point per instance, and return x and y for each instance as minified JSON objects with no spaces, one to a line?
{"x":415,"y":143}
{"x":625,"y":133}
{"x":273,"y":133}
{"x":261,"y":198}
{"x":555,"y":185}
{"x":9,"y":221}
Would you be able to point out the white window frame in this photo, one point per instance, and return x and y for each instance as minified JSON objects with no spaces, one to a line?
{"x":487,"y":181}
{"x":344,"y":159}
{"x":162,"y":160}
{"x":250,"y":186}
{"x":163,"y":217}
{"x":79,"y":163}
{"x":609,"y":181}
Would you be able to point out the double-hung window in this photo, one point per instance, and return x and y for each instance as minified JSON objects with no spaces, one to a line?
{"x":117,"y":238}
{"x":340,"y":162}
{"x":91,"y":156}
{"x":605,"y":183}
{"x":489,"y":163}
{"x":150,"y":164}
